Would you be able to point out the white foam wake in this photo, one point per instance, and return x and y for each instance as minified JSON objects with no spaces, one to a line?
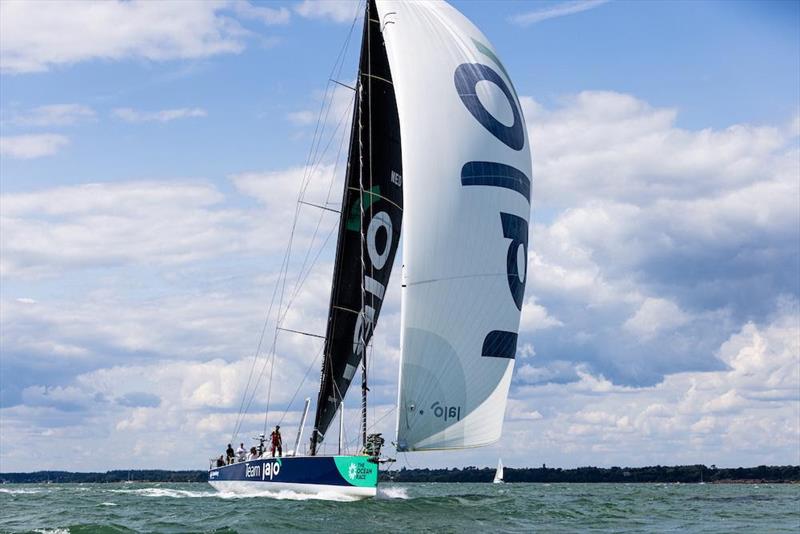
{"x":20,"y":491}
{"x":280,"y":495}
{"x":289,"y":495}
{"x":392,"y":493}
{"x":165,"y":492}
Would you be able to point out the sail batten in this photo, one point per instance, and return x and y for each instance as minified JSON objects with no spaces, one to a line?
{"x":466,"y":205}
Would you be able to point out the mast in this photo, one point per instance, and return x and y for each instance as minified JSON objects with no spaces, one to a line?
{"x":369,"y":230}
{"x":368,"y":15}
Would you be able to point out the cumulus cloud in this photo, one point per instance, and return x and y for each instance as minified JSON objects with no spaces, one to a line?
{"x":164,"y":115}
{"x":112,"y":224}
{"x":662,"y":239}
{"x":745,"y":413}
{"x":161,"y":223}
{"x":555,"y":11}
{"x":36,"y":36}
{"x":53,"y":115}
{"x":655,"y":315}
{"x":335,"y":10}
{"x":267,"y":15}
{"x":31,"y":146}
{"x":535,"y":317}
{"x":661,"y":301}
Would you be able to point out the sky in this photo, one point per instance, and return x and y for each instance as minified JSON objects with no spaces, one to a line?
{"x":150,"y":159}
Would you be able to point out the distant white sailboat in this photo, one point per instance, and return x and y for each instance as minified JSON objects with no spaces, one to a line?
{"x":498,"y":475}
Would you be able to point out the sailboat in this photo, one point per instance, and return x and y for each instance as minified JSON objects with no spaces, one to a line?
{"x":438,"y":145}
{"x":498,"y":475}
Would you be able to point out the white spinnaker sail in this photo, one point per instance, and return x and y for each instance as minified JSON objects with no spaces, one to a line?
{"x":466,"y":190}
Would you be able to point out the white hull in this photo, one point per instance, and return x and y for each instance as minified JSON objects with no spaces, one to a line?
{"x":247,"y":487}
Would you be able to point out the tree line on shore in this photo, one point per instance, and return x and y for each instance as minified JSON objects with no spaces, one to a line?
{"x":665,"y":474}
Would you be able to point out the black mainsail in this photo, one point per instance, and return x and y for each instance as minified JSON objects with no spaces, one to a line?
{"x":369,"y":228}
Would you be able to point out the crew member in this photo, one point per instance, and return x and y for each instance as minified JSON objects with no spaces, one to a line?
{"x":277,"y":442}
{"x":229,"y":454}
{"x":241,"y":453}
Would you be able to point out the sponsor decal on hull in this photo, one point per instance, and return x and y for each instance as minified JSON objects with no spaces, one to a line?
{"x":346,"y":471}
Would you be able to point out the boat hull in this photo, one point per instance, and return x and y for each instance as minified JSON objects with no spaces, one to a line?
{"x":352,"y":476}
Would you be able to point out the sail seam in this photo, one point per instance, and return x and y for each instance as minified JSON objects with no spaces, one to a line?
{"x":462,"y":277}
{"x":377,"y":78}
{"x":356,"y":312}
{"x":377,"y":195}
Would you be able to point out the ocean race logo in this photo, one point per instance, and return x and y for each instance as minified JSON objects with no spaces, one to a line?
{"x":358,"y":472}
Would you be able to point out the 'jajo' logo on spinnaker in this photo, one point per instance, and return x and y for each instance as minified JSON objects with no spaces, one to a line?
{"x":446,"y":412}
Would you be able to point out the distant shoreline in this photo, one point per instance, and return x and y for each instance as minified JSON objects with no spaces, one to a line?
{"x":684,"y":474}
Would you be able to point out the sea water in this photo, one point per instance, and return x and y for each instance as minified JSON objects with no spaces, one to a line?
{"x":439,"y":508}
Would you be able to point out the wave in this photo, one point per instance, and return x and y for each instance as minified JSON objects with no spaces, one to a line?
{"x":20,"y":491}
{"x":392,"y":493}
{"x":165,"y":492}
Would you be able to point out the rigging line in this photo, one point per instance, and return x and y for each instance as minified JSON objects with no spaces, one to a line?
{"x":318,"y":161}
{"x":300,"y":385}
{"x":340,"y":57}
{"x":282,"y":316}
{"x":281,"y":276}
{"x":299,"y":332}
{"x":302,"y":277}
{"x":327,"y":197}
{"x":320,"y":207}
{"x":240,"y":416}
{"x":284,"y":267}
{"x":266,"y":321}
{"x":277,"y":325}
{"x":308,"y":272}
{"x":374,"y":425}
{"x":250,"y":375}
{"x":332,"y":137}
{"x":342,"y":84}
{"x":298,"y":284}
{"x":384,"y":416}
{"x":241,"y":412}
{"x":330,"y":77}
